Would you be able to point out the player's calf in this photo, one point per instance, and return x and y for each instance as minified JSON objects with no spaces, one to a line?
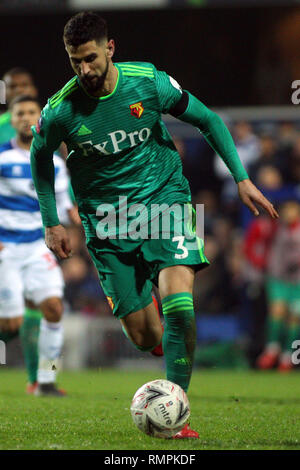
{"x":143,"y":328}
{"x":145,"y":340}
{"x":158,"y":350}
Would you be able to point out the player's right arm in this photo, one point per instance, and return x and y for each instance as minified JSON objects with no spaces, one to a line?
{"x":47,"y":137}
{"x":186,"y":107}
{"x":216,"y":133}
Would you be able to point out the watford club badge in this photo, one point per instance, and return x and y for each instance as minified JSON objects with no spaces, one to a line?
{"x":136,"y":109}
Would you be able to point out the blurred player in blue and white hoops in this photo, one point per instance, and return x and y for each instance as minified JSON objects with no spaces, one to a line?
{"x":27,"y":268}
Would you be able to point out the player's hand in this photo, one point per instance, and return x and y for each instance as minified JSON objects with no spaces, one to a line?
{"x":250,"y":196}
{"x":57,"y":241}
{"x":1,"y":246}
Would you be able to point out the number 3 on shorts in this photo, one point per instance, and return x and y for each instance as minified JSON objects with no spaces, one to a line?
{"x":180,"y":240}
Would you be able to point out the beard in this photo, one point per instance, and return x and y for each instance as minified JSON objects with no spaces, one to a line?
{"x":96,"y":84}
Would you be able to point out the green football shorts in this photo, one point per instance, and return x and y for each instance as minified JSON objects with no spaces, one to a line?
{"x":127,"y":267}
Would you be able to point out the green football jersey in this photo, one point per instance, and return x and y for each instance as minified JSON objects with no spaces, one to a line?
{"x":118,"y":144}
{"x":7,"y":132}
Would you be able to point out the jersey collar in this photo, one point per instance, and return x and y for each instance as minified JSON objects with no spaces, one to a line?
{"x":111,"y":95}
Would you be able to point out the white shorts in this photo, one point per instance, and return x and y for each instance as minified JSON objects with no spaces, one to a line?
{"x":30,"y":271}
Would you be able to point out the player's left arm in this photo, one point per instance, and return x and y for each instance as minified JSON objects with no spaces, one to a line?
{"x":186,"y":107}
{"x":190,"y":109}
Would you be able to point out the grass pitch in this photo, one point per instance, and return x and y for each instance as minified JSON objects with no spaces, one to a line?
{"x":230,"y":410}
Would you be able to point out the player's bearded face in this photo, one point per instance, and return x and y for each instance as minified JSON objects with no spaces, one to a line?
{"x":91,"y":64}
{"x":94,"y":81}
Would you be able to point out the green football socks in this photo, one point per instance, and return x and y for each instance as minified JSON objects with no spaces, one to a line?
{"x":29,"y":334}
{"x":179,"y":337}
{"x":275,"y":329}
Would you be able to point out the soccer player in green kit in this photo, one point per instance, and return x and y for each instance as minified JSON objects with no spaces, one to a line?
{"x":109,"y":116}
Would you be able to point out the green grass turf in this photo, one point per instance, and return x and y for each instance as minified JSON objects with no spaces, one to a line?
{"x":231,"y":410}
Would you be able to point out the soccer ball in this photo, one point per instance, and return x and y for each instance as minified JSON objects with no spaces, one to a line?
{"x":160,"y":408}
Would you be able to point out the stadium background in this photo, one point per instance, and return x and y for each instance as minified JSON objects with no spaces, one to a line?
{"x":238,"y":57}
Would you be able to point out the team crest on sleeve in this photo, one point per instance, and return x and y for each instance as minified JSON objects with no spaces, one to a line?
{"x":39,"y":125}
{"x":137,"y":109}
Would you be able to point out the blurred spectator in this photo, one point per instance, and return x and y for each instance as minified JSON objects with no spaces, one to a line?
{"x":257,"y":243}
{"x":234,"y":260}
{"x":197,"y":163}
{"x":293,"y":170}
{"x":211,"y":207}
{"x":248,"y":148}
{"x":18,"y":81}
{"x":287,"y":134}
{"x":268,"y":177}
{"x":283,"y":290}
{"x":269,"y":155}
{"x":223,"y":232}
{"x":215,"y":289}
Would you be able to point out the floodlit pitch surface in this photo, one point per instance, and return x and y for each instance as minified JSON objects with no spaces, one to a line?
{"x":230,"y":410}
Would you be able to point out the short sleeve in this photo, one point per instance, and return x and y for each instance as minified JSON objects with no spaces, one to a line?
{"x":46,"y":133}
{"x":169,"y":91}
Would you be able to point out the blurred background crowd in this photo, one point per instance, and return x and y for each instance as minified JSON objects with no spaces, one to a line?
{"x":247,"y":302}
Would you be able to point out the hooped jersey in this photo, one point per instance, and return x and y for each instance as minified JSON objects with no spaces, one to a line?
{"x":20,"y":217}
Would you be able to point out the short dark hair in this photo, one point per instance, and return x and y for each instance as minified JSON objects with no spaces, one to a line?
{"x":84,"y":27}
{"x":18,"y":71}
{"x":23,"y":99}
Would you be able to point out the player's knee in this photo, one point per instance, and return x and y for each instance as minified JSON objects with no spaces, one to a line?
{"x":11,"y":324}
{"x":176,"y":279}
{"x":142,"y":342}
{"x":52,"y":309}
